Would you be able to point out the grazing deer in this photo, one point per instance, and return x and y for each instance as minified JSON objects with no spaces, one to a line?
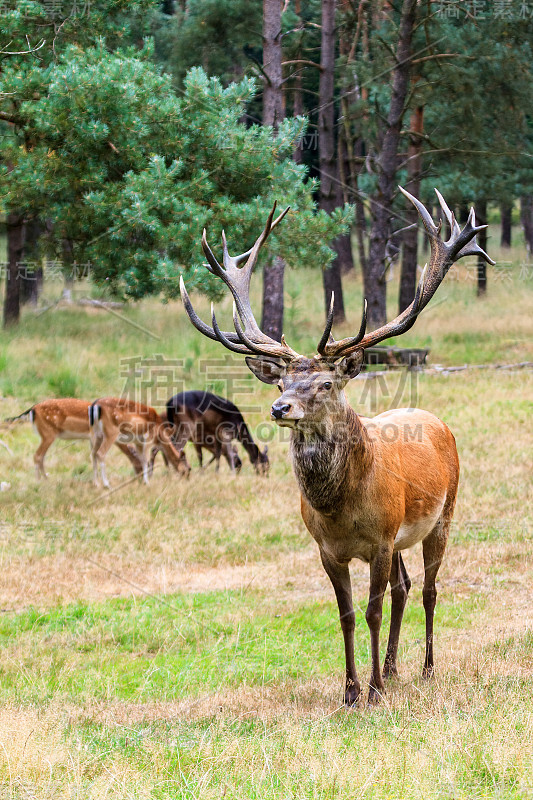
{"x":370,"y":488}
{"x":111,"y":417}
{"x":66,"y":418}
{"x":213,"y":422}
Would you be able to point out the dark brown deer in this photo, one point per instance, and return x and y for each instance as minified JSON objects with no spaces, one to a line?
{"x":370,"y":488}
{"x":212,"y":422}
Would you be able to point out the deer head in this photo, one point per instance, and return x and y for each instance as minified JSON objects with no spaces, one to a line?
{"x":312,"y":389}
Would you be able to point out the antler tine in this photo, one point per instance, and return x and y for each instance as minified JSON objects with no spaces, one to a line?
{"x":267,"y":230}
{"x":472,"y":248}
{"x":327,"y":330}
{"x":360,"y":334}
{"x":450,"y":216}
{"x":220,"y":336}
{"x":249,"y":338}
{"x":443,"y":254}
{"x":199,"y":324}
{"x":235,"y":261}
{"x":275,"y":349}
{"x":432,"y":229}
{"x":241,"y":334}
{"x":213,"y":266}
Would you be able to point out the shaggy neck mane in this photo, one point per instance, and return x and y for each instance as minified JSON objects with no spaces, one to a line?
{"x":328,"y":462}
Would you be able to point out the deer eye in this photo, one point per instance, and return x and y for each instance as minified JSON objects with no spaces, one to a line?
{"x":327,"y":385}
{"x":280,"y":387}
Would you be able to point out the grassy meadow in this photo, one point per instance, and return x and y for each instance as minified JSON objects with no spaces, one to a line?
{"x":181,"y":640}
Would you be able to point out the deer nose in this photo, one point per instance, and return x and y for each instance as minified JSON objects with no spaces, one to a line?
{"x":279,"y":410}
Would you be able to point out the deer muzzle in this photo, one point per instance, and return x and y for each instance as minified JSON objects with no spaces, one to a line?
{"x":286,"y":413}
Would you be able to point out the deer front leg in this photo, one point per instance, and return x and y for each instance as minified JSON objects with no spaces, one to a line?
{"x":339,"y":575}
{"x":218,"y":453}
{"x":380,"y":570}
{"x":399,"y":585}
{"x":142,"y":450}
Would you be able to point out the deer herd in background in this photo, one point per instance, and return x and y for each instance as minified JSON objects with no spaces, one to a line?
{"x":206,"y":420}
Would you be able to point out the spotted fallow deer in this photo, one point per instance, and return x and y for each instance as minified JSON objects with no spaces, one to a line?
{"x":370,"y":488}
{"x":135,"y":424}
{"x":64,"y":418}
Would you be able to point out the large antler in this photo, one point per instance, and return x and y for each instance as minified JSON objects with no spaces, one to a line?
{"x":248,"y":338}
{"x":443,"y":254}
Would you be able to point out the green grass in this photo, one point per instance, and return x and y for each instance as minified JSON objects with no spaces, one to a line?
{"x":182,"y":646}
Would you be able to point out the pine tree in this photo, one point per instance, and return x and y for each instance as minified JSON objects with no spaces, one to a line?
{"x":129,"y":172}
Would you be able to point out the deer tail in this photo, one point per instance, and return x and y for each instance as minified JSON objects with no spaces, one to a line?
{"x":26,"y":416}
{"x":95,"y":414}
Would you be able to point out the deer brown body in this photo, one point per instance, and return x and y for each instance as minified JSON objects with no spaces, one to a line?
{"x":136,"y":424}
{"x":65,"y":418}
{"x":213,"y":422}
{"x":370,"y":488}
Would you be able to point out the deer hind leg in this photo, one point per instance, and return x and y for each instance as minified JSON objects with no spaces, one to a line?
{"x":400,"y":585}
{"x":380,"y":570}
{"x":101,"y":447}
{"x":38,"y":458}
{"x":433,"y":548}
{"x":339,"y":575}
{"x":199,"y":455}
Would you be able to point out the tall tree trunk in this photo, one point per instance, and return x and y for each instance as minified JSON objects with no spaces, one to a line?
{"x":353,"y":147}
{"x":298,"y":111}
{"x":360,"y":229}
{"x":481,"y":219}
{"x":506,"y":210}
{"x":272,"y":88}
{"x":298,"y":96}
{"x":31,"y":277}
{"x":273,"y":273}
{"x":329,"y":186}
{"x":526,"y":219}
{"x":15,"y":253}
{"x":344,"y":242}
{"x":410,"y":236}
{"x":387,"y":164}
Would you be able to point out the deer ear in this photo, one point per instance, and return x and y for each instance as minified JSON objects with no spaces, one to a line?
{"x":266,"y":369}
{"x":350,"y":366}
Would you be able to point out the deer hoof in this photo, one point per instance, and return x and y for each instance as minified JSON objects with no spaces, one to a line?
{"x":389,"y":672}
{"x":352,"y":697}
{"x":375,"y":696}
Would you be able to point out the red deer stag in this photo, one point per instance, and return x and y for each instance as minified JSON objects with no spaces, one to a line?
{"x":369,"y":487}
{"x":65,"y":418}
{"x":111,"y":417}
